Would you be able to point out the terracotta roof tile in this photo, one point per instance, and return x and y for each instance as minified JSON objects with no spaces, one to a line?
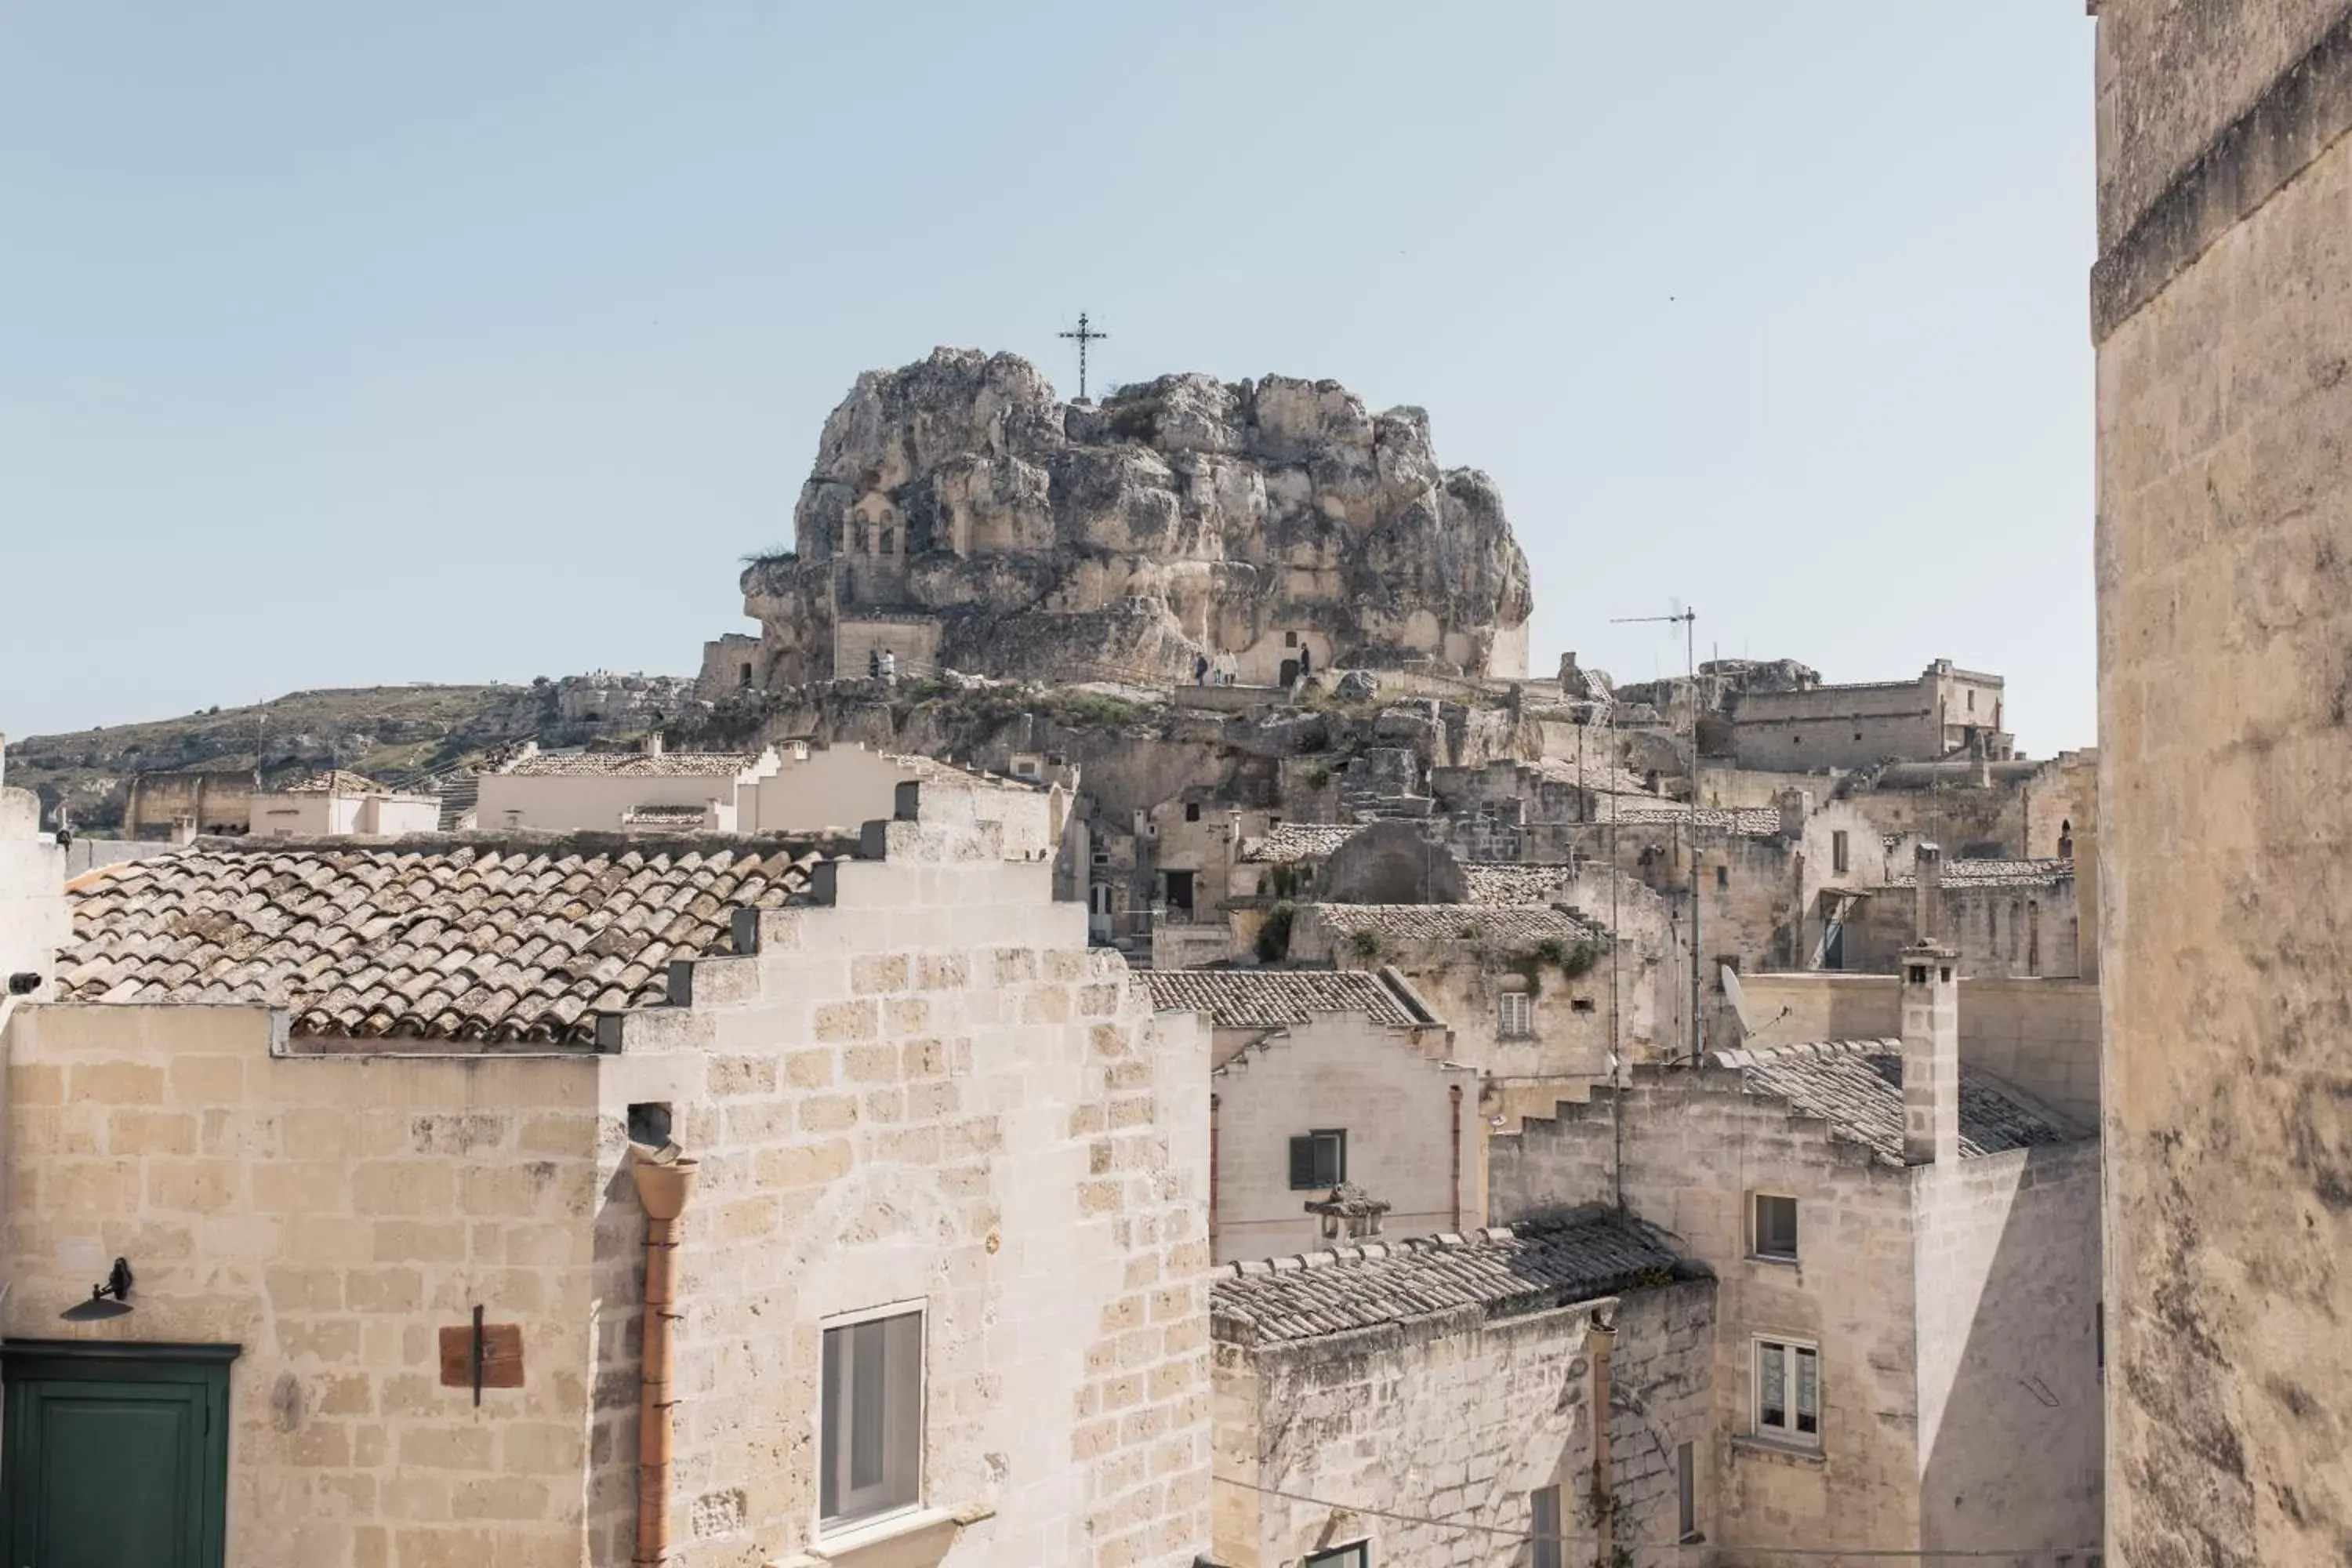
{"x":1998,"y":874}
{"x":1505,"y":1272}
{"x":1293,"y":841}
{"x":1856,"y":1085}
{"x":1510,"y":882}
{"x":1741,"y":822}
{"x":503,"y":941}
{"x":632,"y":765}
{"x":1503,"y":924}
{"x":1270,"y":998}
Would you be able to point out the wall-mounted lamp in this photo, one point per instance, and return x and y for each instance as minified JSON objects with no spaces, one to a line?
{"x":99,"y":1308}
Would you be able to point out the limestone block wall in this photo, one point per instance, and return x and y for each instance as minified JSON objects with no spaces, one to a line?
{"x":2223,"y":311}
{"x":1412,"y":1126}
{"x":932,"y":1091}
{"x":331,"y":1215}
{"x":1695,"y":1149}
{"x":1569,"y":1036}
{"x":1457,"y":1416}
{"x":2006,"y":1265}
{"x":592,"y":802}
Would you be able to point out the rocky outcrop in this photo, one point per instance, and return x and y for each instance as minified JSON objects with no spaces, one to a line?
{"x":1256,"y":525}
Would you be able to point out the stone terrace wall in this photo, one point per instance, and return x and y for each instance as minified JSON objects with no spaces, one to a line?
{"x":1457,"y":1417}
{"x":933,"y":1091}
{"x":330,"y":1214}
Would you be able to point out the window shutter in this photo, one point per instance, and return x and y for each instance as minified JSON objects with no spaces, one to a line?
{"x":1302,"y":1161}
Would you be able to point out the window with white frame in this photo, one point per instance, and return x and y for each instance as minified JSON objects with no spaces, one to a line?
{"x":1356,"y":1555}
{"x":1774,"y":1233}
{"x":870,"y":1414}
{"x":1789,"y":1391}
{"x":1515,"y":1014}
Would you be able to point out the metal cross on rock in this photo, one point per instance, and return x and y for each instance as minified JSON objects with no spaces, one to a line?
{"x":1083,"y":335}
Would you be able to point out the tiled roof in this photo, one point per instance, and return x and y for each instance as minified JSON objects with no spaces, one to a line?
{"x":1998,"y":874}
{"x":1505,"y":1272}
{"x":334,"y":781}
{"x":1610,"y":778}
{"x":1293,"y":841}
{"x":1857,"y":1087}
{"x":1741,"y":822}
{"x":631,"y":764}
{"x":1270,"y":998}
{"x":497,"y":940}
{"x":1510,"y":882}
{"x":659,"y":816}
{"x":1510,"y":925}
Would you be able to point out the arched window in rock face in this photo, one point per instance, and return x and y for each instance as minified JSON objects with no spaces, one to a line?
{"x":2066,"y":839}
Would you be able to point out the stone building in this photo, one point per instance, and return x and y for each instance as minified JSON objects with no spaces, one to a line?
{"x":2221,"y":307}
{"x":602,"y":791}
{"x":1322,"y":1079}
{"x":1362,"y":1387}
{"x":1529,"y":992}
{"x":408,"y":1147}
{"x":1908,"y":1311}
{"x":1809,"y":728}
{"x":159,"y":805}
{"x":2014,"y":917}
{"x":963,"y":516}
{"x":339,"y":805}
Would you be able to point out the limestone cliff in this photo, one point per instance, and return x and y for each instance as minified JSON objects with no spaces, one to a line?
{"x":961,"y":515}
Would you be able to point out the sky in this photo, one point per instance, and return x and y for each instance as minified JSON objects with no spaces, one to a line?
{"x":349,"y":345}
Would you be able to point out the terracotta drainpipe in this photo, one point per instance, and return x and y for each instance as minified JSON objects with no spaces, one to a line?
{"x":1601,"y":1341}
{"x":1453,"y":1129}
{"x":664,"y":1181}
{"x":1213,"y":1176}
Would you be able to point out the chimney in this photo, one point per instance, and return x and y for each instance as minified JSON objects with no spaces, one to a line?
{"x":1927,"y":892}
{"x":1931,"y":1055}
{"x":654,"y":745}
{"x":183,"y":829}
{"x":1795,"y":808}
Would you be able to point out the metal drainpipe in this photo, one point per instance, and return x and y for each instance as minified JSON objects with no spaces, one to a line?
{"x":664,"y":1181}
{"x":1453,"y":1130}
{"x":1601,"y":1341}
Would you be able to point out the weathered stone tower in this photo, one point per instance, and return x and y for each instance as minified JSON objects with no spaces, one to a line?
{"x":2222,"y":305}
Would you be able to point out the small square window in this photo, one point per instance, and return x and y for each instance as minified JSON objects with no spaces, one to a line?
{"x":1722,"y":877}
{"x":1318,"y":1159}
{"x":1580,"y":1004}
{"x":1192,"y":811}
{"x":870,"y":1454}
{"x":1290,"y":639}
{"x":1776,"y":1227}
{"x":1515,"y":1014}
{"x":1788,"y":1392}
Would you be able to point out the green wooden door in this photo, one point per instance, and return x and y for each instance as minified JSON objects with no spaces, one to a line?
{"x":114,"y":1454}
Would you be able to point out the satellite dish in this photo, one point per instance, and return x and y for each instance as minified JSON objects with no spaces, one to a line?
{"x":1739,"y":1000}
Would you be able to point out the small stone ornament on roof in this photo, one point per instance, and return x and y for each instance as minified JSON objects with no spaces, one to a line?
{"x":1349,"y":1214}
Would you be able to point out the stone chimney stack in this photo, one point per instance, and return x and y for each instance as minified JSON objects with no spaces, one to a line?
{"x":653,"y":747}
{"x":1931,"y":1055}
{"x":1926,"y":893}
{"x":183,"y":829}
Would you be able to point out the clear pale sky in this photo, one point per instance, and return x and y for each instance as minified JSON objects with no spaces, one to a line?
{"x":346,"y":345}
